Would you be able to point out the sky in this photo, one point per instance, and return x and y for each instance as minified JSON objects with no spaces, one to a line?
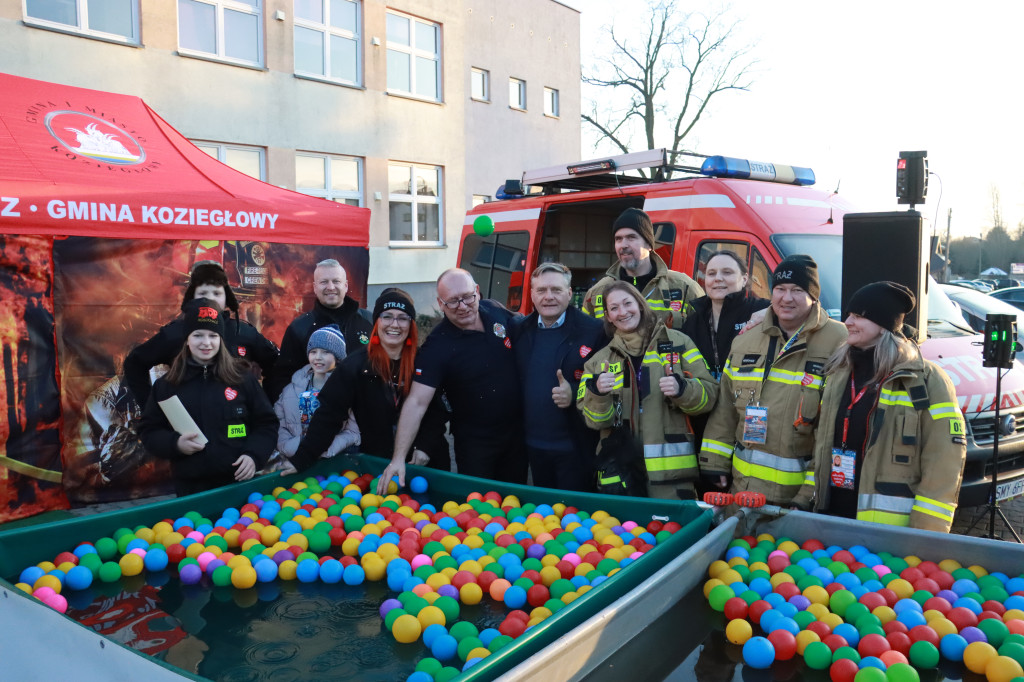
{"x":842,"y":88}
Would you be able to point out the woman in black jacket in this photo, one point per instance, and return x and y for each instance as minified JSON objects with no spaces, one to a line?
{"x":237,"y":427}
{"x":719,"y":316}
{"x":373,"y":382}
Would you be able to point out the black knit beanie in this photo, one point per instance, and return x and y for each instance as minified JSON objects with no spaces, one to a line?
{"x":394,"y":298}
{"x":639,"y":222}
{"x":202,"y":313}
{"x":210,"y":272}
{"x":800,"y":270}
{"x":884,"y":303}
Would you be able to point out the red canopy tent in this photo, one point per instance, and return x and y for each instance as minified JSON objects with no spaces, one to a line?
{"x":104,"y":208}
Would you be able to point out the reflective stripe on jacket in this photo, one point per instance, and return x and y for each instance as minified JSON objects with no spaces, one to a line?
{"x":791,"y":392}
{"x":914,"y":459}
{"x":668,"y":294}
{"x":663,"y":427}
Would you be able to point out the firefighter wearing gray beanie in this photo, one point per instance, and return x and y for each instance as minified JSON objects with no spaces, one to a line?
{"x":330,"y":339}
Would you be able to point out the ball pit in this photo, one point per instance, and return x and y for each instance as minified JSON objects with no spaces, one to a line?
{"x":862,"y":616}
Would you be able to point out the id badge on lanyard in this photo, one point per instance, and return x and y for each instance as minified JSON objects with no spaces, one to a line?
{"x":755,"y":424}
{"x":844,"y":467}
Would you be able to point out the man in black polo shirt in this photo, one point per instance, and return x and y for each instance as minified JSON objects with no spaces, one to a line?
{"x":469,"y":357}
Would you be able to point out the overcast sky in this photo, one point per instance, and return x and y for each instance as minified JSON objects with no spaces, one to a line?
{"x":843,"y":87}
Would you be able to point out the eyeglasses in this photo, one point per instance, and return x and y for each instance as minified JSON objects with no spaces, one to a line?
{"x":388,"y":318}
{"x":454,"y":303}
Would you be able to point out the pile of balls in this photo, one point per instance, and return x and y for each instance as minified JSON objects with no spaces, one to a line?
{"x":866,"y":617}
{"x":532,"y":559}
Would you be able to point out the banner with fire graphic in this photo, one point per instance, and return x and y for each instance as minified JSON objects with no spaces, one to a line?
{"x":70,"y":434}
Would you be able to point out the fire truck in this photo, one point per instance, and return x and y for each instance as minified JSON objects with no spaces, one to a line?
{"x":761,"y":211}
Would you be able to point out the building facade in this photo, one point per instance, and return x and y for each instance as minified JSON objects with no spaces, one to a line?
{"x":416,"y":109}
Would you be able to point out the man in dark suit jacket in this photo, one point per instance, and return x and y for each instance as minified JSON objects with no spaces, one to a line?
{"x":551,"y":345}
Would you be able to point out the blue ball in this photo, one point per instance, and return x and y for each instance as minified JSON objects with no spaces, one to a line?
{"x":418,"y":484}
{"x":330,"y":571}
{"x":968,"y":603}
{"x":444,"y":647}
{"x":184,"y":522}
{"x":775,"y":599}
{"x":432,"y":632}
{"x":488,"y":634}
{"x":761,"y":585}
{"x":354,"y":575}
{"x":30,"y":575}
{"x":84,"y":549}
{"x":78,"y":578}
{"x":911,"y":618}
{"x":907,"y":603}
{"x":266,"y":571}
{"x":848,"y":632}
{"x":307,"y":571}
{"x":758,"y":653}
{"x":155,"y":559}
{"x":963,"y":586}
{"x":137,"y":543}
{"x":768,"y":619}
{"x":952,"y":647}
{"x":419,"y":676}
{"x":515,"y":597}
{"x":514,"y":572}
{"x":872,"y":661}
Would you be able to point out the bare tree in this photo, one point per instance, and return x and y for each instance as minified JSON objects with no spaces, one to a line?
{"x":997,"y":213}
{"x":671,"y":71}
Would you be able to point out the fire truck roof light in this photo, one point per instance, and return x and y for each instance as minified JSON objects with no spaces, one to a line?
{"x":728,"y":167}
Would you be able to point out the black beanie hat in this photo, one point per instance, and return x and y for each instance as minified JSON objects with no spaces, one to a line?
{"x":395,"y":299}
{"x":639,"y":222}
{"x":800,"y":270}
{"x":210,"y":272}
{"x":884,"y":303}
{"x":202,"y":313}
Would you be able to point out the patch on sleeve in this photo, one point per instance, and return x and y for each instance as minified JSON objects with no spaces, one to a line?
{"x":956,"y":427}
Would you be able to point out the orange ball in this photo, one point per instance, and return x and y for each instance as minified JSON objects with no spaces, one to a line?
{"x":497,"y":589}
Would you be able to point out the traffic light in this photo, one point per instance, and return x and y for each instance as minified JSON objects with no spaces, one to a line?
{"x":912,"y":177}
{"x":1000,"y":345}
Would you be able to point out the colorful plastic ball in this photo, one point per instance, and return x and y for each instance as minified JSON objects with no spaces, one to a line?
{"x":817,"y":656}
{"x":406,"y":629}
{"x":924,"y":654}
{"x":758,"y":653}
{"x":952,"y":647}
{"x":190,"y":574}
{"x":483,"y":225}
{"x":843,"y":670}
{"x":870,"y":674}
{"x":243,"y":577}
{"x":156,"y":559}
{"x":431,"y":633}
{"x":418,"y":484}
{"x":331,"y":571}
{"x":444,"y":647}
{"x":131,"y":564}
{"x":977,"y":655}
{"x":59,"y":603}
{"x":354,"y":575}
{"x":784,"y":642}
{"x":1002,"y":669}
{"x":738,"y":631}
{"x":78,"y":578}
{"x":515,"y":597}
{"x":420,"y":676}
{"x":307,"y":571}
{"x":30,"y":575}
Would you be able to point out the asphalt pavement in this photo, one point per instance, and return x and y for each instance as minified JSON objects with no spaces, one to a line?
{"x":975,"y":521}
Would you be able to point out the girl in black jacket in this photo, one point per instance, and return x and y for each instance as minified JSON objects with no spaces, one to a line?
{"x":225,"y":401}
{"x":373,"y":382}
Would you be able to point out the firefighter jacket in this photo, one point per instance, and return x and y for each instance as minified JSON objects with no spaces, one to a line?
{"x":913,"y":460}
{"x":790,"y":391}
{"x":668,"y":294}
{"x":659,"y":422}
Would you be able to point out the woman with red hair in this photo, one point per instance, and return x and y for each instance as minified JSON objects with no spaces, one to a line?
{"x":373,"y":382}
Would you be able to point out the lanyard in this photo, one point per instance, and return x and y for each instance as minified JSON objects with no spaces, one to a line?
{"x":792,"y":340}
{"x":853,"y":401}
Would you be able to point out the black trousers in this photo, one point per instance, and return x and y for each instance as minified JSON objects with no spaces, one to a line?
{"x":502,"y":459}
{"x":562,"y":469}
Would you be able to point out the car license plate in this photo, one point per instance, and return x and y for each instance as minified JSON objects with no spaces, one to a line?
{"x":1009,"y":490}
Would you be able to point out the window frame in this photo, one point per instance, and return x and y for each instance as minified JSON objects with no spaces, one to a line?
{"x":327,"y":30}
{"x":486,"y":75}
{"x":219,"y":56}
{"x":480,"y":200}
{"x":328,"y":193}
{"x":556,"y":100}
{"x":412,"y":52}
{"x":522,"y":93}
{"x":82,"y":14}
{"x":224,"y":147}
{"x":414,"y":200}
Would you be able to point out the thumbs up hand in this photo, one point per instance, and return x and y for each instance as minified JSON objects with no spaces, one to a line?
{"x":670,"y":388}
{"x":562,"y":393}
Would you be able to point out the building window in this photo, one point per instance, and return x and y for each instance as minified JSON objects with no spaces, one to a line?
{"x":327,"y":39}
{"x":517,"y":93}
{"x":414,"y":57}
{"x":480,"y":84}
{"x":551,"y":102}
{"x":335,"y":178}
{"x":414,"y":204}
{"x":226,"y":29}
{"x":480,"y":199}
{"x":248,"y":160}
{"x":111,"y":19}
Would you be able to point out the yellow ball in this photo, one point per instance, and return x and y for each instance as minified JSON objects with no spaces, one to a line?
{"x":470,"y":593}
{"x":286,"y":571}
{"x":195,"y":549}
{"x":430,"y":615}
{"x":932,"y":614}
{"x":738,"y":631}
{"x":243,"y":577}
{"x":270,"y":535}
{"x":977,"y":655}
{"x":479,"y":652}
{"x":886,"y":614}
{"x":570,"y":597}
{"x":437,"y":581}
{"x":978,"y":571}
{"x":407,"y":628}
{"x":1013,"y":614}
{"x":789,"y":547}
{"x":948,"y":565}
{"x":710,"y":585}
{"x":831,"y":620}
{"x":1003,"y":669}
{"x":817,"y":610}
{"x":942,"y":626}
{"x":817,"y":594}
{"x":780,"y":578}
{"x":66,"y":566}
{"x":131,"y":564}
{"x":50,"y":581}
{"x":805,"y":637}
{"x":901,"y":587}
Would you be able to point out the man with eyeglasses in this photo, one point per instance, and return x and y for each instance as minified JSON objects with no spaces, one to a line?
{"x":668,"y":292}
{"x":469,"y":357}
{"x":551,"y":345}
{"x":333,"y":305}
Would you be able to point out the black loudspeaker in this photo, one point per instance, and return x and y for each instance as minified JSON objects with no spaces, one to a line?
{"x":887,"y":246}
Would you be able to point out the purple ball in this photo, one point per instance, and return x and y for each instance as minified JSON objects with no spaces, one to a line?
{"x":973,"y":634}
{"x":388,"y":605}
{"x":214,"y":565}
{"x":800,"y":602}
{"x":190,"y":574}
{"x":948,"y":595}
{"x":283,"y":556}
{"x":448,"y":591}
{"x":535,"y":551}
{"x":421,"y":523}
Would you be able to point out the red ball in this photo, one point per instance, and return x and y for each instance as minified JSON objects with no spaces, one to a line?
{"x":64,"y":557}
{"x":872,"y":645}
{"x":899,"y":641}
{"x":943,"y":579}
{"x":751,"y":540}
{"x":512,"y":627}
{"x":813,"y":545}
{"x":757,"y":609}
{"x":923,"y":633}
{"x":985,"y":615}
{"x":735,"y":608}
{"x":844,"y":556}
{"x":784,"y":643}
{"x":928,"y":585}
{"x":895,"y":626}
{"x":834,"y":641}
{"x":843,"y":670}
{"x":568,"y":570}
{"x":927,"y":567}
{"x":175,"y":553}
{"x":462,"y":578}
{"x":531,"y":575}
{"x":938,"y":604}
{"x":962,"y":617}
{"x":911,"y":574}
{"x":337,"y":536}
{"x":671,"y":526}
{"x":872,"y":600}
{"x":492,"y":496}
{"x":485,"y":579}
{"x":537,"y":595}
{"x":890,"y":597}
{"x":787,"y":590}
{"x":856,"y":566}
{"x":654,"y":526}
{"x":519,"y":614}
{"x":777,"y":564}
{"x":347,"y":561}
{"x":819,"y":628}
{"x":832,"y":588}
{"x":994,"y":606}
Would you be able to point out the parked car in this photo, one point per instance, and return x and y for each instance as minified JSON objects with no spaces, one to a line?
{"x":985,"y":285}
{"x":1005,"y":283}
{"x":975,"y":306}
{"x":1014,"y":296}
{"x":968,"y":284}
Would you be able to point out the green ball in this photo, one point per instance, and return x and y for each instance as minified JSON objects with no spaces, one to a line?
{"x":524,"y":583}
{"x":354,"y":522}
{"x":449,"y":607}
{"x":902,"y":672}
{"x":498,"y":643}
{"x":817,"y":656}
{"x":110,"y":572}
{"x":846,"y":652}
{"x":121,"y":532}
{"x":217,"y":541}
{"x":921,"y":596}
{"x":742,"y":571}
{"x":318,"y":542}
{"x":106,"y":548}
{"x":750,"y":596}
{"x":554,"y":605}
{"x":855,"y":611}
{"x":393,"y":614}
{"x":757,"y":554}
{"x":416,"y":604}
{"x":518,"y":550}
{"x":804,"y":618}
{"x":808,"y":580}
{"x":739,"y":542}
{"x":838,"y":567}
{"x":760,"y":574}
{"x":799,"y":555}
{"x":532,"y":564}
{"x":463,"y":629}
{"x":719,"y":595}
{"x":1014,"y":639}
{"x":92,"y":561}
{"x":222,"y":576}
{"x":561,"y":587}
{"x":426,"y":570}
{"x":995,"y":630}
{"x":924,"y":654}
{"x":868,"y":620}
{"x":840,"y":601}
{"x":429,"y":666}
{"x":446,"y":673}
{"x":995,"y":593}
{"x":495,"y":568}
{"x":1012,"y":650}
{"x":870,"y":674}
{"x":466,"y":645}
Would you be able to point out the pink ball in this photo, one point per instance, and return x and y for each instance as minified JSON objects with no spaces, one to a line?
{"x":204,"y":559}
{"x":778,"y":552}
{"x":573,"y":558}
{"x":636,"y":555}
{"x":43,"y":593}
{"x":196,"y":535}
{"x":421,"y":560}
{"x":138,"y":550}
{"x":629,"y":525}
{"x":881,"y":569}
{"x":57,"y":602}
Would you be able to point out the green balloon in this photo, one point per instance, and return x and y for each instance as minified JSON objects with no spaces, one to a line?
{"x":483,"y":225}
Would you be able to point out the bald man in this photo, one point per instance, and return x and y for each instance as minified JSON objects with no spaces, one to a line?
{"x":469,"y":357}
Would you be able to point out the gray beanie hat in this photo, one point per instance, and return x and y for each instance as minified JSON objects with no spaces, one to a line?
{"x":328,"y":338}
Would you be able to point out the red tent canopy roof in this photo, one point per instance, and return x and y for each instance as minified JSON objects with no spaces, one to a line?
{"x":84,"y":162}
